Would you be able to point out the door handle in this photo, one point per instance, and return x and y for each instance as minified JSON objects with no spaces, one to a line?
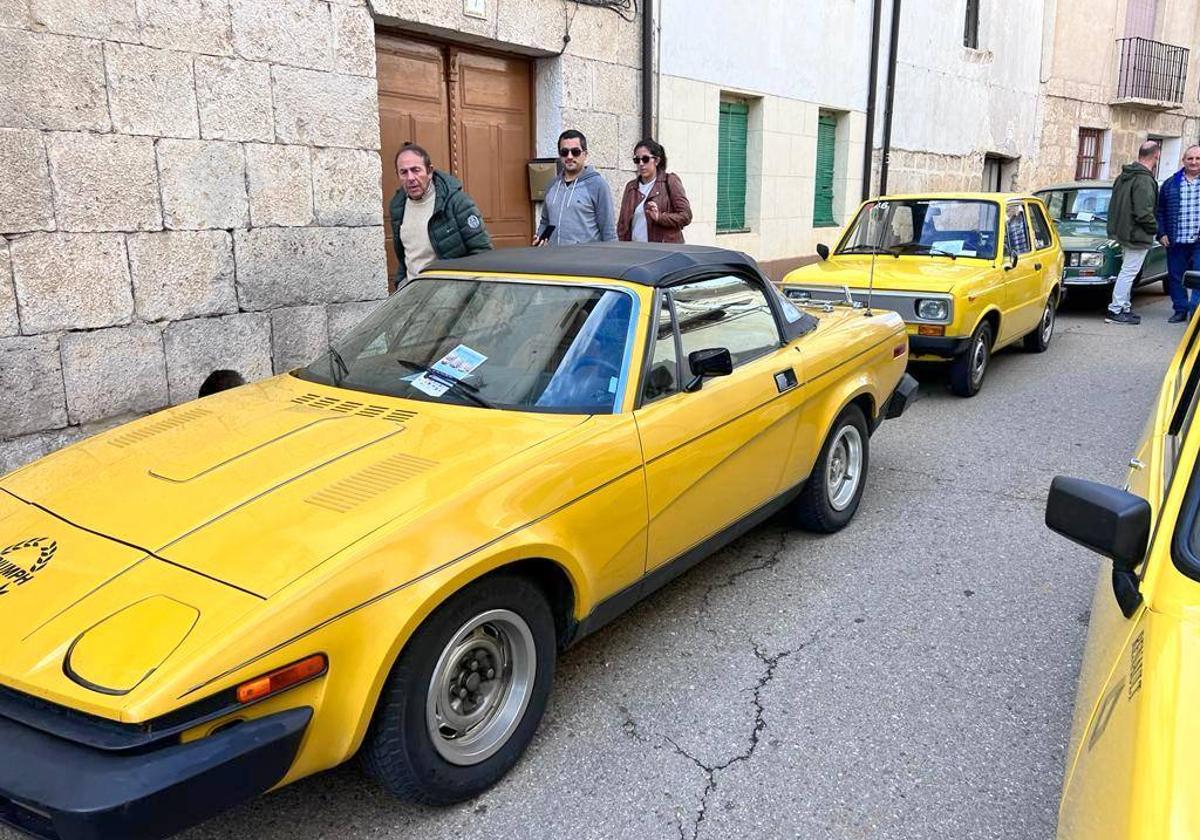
{"x":786,"y":380}
{"x":1037,"y":266}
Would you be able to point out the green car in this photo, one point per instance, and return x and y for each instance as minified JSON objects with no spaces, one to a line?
{"x":1080,"y":212}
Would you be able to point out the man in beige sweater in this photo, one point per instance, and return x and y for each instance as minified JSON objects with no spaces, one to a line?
{"x":432,"y":216}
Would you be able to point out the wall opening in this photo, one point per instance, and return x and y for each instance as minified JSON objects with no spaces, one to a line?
{"x":220,"y":380}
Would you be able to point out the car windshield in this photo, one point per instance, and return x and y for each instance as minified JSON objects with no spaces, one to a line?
{"x":1082,"y":205}
{"x":490,"y":343}
{"x":924,"y":226}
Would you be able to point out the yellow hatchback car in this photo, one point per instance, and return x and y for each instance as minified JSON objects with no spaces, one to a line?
{"x":938,"y":261}
{"x":1132,"y":761}
{"x":382,"y":553}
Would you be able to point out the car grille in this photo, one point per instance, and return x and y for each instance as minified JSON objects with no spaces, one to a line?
{"x":903,"y":305}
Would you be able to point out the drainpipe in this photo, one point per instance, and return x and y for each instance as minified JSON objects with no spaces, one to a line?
{"x":647,"y":68}
{"x":872,"y":73}
{"x":889,"y":98}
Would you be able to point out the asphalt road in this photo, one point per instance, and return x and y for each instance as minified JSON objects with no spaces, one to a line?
{"x":910,"y":677}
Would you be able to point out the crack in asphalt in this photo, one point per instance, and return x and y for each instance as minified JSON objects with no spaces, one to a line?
{"x":710,"y":771}
{"x":770,"y":562}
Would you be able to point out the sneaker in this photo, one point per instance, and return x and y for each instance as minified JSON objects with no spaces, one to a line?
{"x":1178,"y":318}
{"x":1122,"y":318}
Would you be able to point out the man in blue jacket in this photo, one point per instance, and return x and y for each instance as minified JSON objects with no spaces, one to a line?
{"x":1179,"y":230}
{"x":578,"y":205}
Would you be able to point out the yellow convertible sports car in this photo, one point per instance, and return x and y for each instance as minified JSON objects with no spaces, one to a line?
{"x":1132,"y":764}
{"x":938,"y":261}
{"x":382,"y":553}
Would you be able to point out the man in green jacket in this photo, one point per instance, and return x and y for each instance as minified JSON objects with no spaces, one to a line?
{"x":1131,"y":221}
{"x":432,"y":216}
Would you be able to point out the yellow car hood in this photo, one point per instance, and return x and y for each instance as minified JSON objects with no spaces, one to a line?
{"x":257,"y":486}
{"x":912,"y":274}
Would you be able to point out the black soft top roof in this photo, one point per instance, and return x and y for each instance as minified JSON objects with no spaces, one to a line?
{"x":648,"y":263}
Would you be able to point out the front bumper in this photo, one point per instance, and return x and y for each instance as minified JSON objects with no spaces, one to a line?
{"x":1070,"y":277}
{"x":940,"y":346}
{"x":56,"y":788}
{"x":901,"y":398}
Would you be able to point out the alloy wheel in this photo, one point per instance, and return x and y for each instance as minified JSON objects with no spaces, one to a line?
{"x":481,"y":687}
{"x":844,"y":470}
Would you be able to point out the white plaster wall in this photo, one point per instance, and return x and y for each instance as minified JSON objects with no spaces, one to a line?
{"x":811,"y":50}
{"x":952,"y":100}
{"x":780,"y":167}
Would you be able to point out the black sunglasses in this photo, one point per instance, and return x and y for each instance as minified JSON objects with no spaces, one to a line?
{"x":643,"y":159}
{"x":572,"y":152}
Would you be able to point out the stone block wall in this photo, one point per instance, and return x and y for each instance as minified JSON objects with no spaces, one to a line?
{"x":185,"y":186}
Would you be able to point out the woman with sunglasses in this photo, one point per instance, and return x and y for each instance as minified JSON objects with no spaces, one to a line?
{"x":655,"y":207}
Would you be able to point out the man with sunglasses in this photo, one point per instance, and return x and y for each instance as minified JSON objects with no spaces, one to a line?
{"x":578,"y":205}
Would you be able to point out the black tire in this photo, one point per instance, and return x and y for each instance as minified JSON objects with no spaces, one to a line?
{"x":967,"y":371}
{"x":1038,"y":340}
{"x":400,"y":751}
{"x":816,"y":509}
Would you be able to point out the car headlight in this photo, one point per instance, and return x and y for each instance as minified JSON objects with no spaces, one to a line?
{"x":1093,"y":260}
{"x":932,"y":310}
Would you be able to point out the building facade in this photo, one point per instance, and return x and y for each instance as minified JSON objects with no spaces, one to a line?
{"x":763,"y":117}
{"x":1114,"y":73}
{"x":193,"y":191}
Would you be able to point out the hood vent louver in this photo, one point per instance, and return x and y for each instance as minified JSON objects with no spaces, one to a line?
{"x":394,"y":415}
{"x":366,"y":484}
{"x":142,"y":433}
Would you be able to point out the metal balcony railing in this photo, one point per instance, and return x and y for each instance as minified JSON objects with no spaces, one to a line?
{"x":1151,"y":70}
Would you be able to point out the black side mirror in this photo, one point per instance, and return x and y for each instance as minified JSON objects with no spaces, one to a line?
{"x":822,"y":250}
{"x":1110,"y":522}
{"x":1010,"y":259}
{"x":1191,"y":279}
{"x":713,"y":361}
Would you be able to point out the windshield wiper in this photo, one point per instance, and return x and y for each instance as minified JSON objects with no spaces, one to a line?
{"x":471,"y":392}
{"x":866,"y":249}
{"x":922,"y":248}
{"x":335,"y":356}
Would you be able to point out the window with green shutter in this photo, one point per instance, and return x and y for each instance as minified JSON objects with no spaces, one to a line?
{"x":823,"y":196}
{"x":731,"y":166}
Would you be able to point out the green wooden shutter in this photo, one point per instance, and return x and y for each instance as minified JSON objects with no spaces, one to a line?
{"x":823,"y":197}
{"x":731,"y":166}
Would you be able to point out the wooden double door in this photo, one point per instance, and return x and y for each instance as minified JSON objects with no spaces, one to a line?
{"x":473,"y":112}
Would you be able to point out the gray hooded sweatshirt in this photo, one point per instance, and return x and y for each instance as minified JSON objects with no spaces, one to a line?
{"x":581,"y":211}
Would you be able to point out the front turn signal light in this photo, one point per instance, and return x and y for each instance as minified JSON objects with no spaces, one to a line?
{"x":931,"y":329}
{"x":285,"y":677}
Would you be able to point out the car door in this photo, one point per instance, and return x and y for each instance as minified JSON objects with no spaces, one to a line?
{"x":715,"y":454}
{"x":1046,"y":252}
{"x":1022,"y":286}
{"x":1100,"y":761}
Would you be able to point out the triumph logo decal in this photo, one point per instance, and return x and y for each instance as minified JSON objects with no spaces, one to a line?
{"x":20,"y":562}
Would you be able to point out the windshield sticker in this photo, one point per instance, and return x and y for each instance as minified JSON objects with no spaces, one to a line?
{"x":459,"y":362}
{"x":20,"y":562}
{"x":1084,"y":216}
{"x":433,"y":387}
{"x":951,"y":246}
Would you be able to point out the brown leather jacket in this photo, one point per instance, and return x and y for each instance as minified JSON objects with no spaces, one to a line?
{"x":674,"y":209}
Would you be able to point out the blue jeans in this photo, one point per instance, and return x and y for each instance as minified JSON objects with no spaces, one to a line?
{"x":1181,"y":258}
